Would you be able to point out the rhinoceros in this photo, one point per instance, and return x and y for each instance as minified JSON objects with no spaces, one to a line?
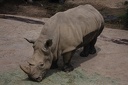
{"x":62,"y":35}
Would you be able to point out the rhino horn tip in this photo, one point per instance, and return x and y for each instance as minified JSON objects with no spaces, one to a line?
{"x":25,"y":69}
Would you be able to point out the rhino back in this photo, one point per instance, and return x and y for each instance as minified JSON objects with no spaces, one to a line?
{"x":75,"y":24}
{"x":68,"y":28}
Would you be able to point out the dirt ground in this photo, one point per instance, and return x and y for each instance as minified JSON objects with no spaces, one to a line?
{"x":108,"y":67}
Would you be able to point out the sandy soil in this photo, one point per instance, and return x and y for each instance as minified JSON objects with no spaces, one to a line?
{"x":108,"y":66}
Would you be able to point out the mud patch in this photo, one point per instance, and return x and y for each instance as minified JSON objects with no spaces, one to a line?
{"x":31,"y":21}
{"x":120,"y":41}
{"x":117,"y":41}
{"x":54,"y":77}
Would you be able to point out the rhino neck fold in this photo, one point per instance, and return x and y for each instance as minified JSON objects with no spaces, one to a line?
{"x":49,"y":31}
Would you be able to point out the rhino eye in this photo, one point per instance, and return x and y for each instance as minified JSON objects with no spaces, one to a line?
{"x":31,"y":64}
{"x":42,"y":65}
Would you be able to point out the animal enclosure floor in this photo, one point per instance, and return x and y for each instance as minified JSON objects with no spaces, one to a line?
{"x":108,"y":67}
{"x":76,"y":77}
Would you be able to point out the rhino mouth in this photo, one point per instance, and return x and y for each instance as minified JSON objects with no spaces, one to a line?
{"x":37,"y":79}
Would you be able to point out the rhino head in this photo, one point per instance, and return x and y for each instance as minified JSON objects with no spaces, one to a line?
{"x":40,"y":62}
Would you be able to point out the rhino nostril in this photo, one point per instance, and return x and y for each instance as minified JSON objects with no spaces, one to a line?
{"x":39,"y":79}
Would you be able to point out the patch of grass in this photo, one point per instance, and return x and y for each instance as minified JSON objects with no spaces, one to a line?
{"x":124,"y":19}
{"x":126,"y":3}
{"x":16,"y":7}
{"x":53,"y":8}
{"x":54,"y":77}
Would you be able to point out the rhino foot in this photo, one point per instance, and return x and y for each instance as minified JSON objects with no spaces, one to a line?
{"x":86,"y":52}
{"x":82,"y":54}
{"x":92,"y":51}
{"x":67,"y":68}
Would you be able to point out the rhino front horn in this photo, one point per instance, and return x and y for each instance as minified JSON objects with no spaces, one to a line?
{"x":25,"y":69}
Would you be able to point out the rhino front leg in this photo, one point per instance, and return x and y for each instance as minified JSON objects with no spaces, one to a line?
{"x":54,"y":64}
{"x":67,"y":61}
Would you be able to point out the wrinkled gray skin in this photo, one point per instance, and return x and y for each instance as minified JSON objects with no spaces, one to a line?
{"x":63,"y":34}
{"x":39,"y":63}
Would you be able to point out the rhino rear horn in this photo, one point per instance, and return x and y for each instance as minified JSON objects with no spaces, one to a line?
{"x":30,"y":41}
{"x":25,"y":69}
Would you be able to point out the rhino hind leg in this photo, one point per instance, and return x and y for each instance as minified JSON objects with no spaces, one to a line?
{"x":92,"y":49}
{"x":67,"y":59}
{"x":85,"y":51}
{"x":89,"y":48}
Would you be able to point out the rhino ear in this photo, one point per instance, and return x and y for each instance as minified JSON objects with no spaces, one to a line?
{"x":30,"y":41}
{"x":48,"y":43}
